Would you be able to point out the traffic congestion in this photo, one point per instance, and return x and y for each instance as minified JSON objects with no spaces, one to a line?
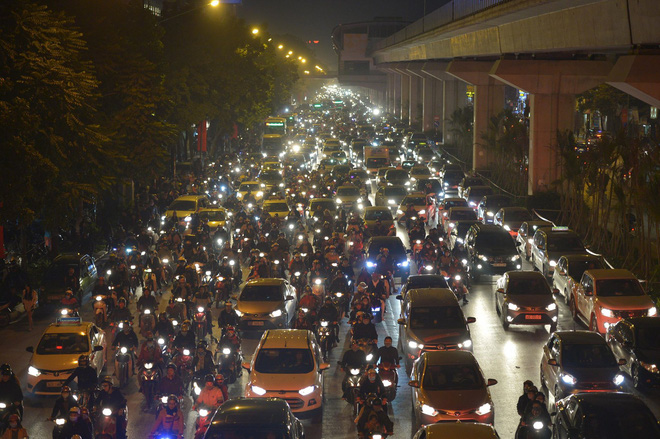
{"x":342,"y":276}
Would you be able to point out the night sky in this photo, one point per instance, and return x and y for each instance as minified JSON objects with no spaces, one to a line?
{"x":315,"y":19}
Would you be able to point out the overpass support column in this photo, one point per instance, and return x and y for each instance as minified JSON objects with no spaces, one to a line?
{"x":404,"y":112}
{"x":413,"y":108}
{"x":488,"y":102}
{"x":428,"y":88}
{"x":450,"y":94}
{"x":552,"y":86}
{"x":391,"y":94}
{"x":637,"y":75}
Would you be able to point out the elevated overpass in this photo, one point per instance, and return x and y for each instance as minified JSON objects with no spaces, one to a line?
{"x":552,"y":49}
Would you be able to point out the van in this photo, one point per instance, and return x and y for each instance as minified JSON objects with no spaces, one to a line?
{"x":551,"y":244}
{"x":52,"y":282}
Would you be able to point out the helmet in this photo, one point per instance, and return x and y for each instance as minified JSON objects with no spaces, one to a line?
{"x":171,"y":366}
{"x":5,"y":369}
{"x":377,"y":401}
{"x":69,"y":292}
{"x":172,"y":397}
{"x":122,"y":300}
{"x":65,"y":389}
{"x":219,"y":377}
{"x":202,"y":344}
{"x":208,"y":378}
{"x":150,"y":335}
{"x":107,"y":380}
{"x":83,"y":359}
{"x":185,"y":326}
{"x":228,"y":303}
{"x":75,"y":410}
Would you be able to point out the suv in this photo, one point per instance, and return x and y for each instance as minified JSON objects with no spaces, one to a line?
{"x":474,"y":194}
{"x":511,"y":218}
{"x":525,"y":237}
{"x":637,"y":340}
{"x":524,"y":298}
{"x":432,"y":320}
{"x":52,"y":282}
{"x":605,"y":296}
{"x":288,"y":364}
{"x":575,"y":361}
{"x":266,"y":304}
{"x":490,"y":250}
{"x":550,"y":245}
{"x":489,"y":205}
{"x":569,"y":271}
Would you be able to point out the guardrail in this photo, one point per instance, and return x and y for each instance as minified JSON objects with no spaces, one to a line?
{"x":452,"y":11}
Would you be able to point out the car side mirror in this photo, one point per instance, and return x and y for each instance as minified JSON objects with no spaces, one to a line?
{"x":290,"y":297}
{"x":401,"y":321}
{"x":561,"y":272}
{"x":588,"y":291}
{"x":414,"y":383}
{"x":29,"y":349}
{"x":491,"y":382}
{"x":246,"y":366}
{"x":98,"y":348}
{"x":540,"y":246}
{"x":471,"y":320}
{"x":399,"y":297}
{"x":622,"y":362}
{"x":553,"y":362}
{"x":324,"y":366}
{"x":500,"y":290}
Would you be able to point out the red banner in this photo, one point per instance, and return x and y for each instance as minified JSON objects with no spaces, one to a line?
{"x":201,"y":136}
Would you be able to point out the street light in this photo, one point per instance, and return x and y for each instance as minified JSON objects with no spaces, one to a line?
{"x":303,"y":60}
{"x":212,"y":3}
{"x":255,"y":31}
{"x":215,"y":3}
{"x":280,"y":47}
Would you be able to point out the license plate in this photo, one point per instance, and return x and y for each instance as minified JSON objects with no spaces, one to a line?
{"x":499,"y":264}
{"x":54,"y":384}
{"x":256,"y":323}
{"x":533,"y":317}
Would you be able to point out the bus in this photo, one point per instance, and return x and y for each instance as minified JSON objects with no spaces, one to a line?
{"x":275,"y":125}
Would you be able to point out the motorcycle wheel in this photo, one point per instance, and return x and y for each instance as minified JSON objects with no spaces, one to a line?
{"x":148,"y":396}
{"x":123,"y":375}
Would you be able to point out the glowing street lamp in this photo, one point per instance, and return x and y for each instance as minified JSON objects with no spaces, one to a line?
{"x":255,"y":31}
{"x":280,"y":47}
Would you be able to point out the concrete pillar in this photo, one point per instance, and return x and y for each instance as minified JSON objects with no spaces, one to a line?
{"x":552,"y":86}
{"x":450,"y":94}
{"x":415,"y":101}
{"x":405,"y":94}
{"x":488,"y":102}
{"x":427,"y":86}
{"x":391,"y":95}
{"x":637,"y":75}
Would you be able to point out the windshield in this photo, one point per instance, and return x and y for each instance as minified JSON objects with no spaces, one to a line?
{"x":248,"y":187}
{"x":619,"y":419}
{"x":454,"y":175}
{"x":426,"y":282}
{"x":457,"y":203}
{"x":618,"y":288}
{"x":478,"y":194}
{"x":530,"y":286}
{"x":270,"y":175}
{"x":63,"y":344}
{"x":648,"y":338}
{"x":415,"y":201}
{"x":287,"y":361}
{"x":452,"y":377}
{"x":225,"y":429}
{"x":329,"y":162}
{"x":437,"y":317}
{"x":422,"y":170}
{"x":262,"y":293}
{"x":577,"y":268}
{"x":339,"y":154}
{"x":467,"y":214}
{"x":564,"y":243}
{"x":500,"y":241}
{"x":461,"y":228}
{"x":358,"y":174}
{"x":377,"y":162}
{"x":182,"y":205}
{"x":587,"y":355}
{"x":57,"y":272}
{"x":350,"y":191}
{"x":322,"y":205}
{"x":397,"y":174}
{"x":276,"y":207}
{"x":341,"y":169}
{"x":517,"y":215}
{"x":394,"y":191}
{"x":436,"y":187}
{"x":212,"y":215}
{"x":375,"y":214}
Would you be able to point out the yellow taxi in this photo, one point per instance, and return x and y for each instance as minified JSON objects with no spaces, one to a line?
{"x":56,"y":355}
{"x":279,"y":207}
{"x":184,"y":206}
{"x":254,"y":187}
{"x":217,"y":217}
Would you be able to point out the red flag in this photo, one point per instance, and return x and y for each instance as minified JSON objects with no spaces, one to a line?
{"x":234,"y":134}
{"x":203,"y":135}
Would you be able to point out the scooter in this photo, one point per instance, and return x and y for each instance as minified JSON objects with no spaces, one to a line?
{"x":200,"y":323}
{"x":390,"y":378}
{"x":351,"y":386}
{"x":325,"y":336}
{"x":100,"y":310}
{"x":203,"y":421}
{"x":149,"y":378}
{"x":59,"y":426}
{"x":123,"y":365}
{"x":107,"y":423}
{"x":228,"y":358}
{"x":147,"y":322}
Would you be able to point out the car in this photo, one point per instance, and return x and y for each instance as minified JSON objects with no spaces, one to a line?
{"x":316,"y":208}
{"x":56,"y":354}
{"x":380,"y":175}
{"x":420,"y":281}
{"x":456,"y":214}
{"x":418,"y":200}
{"x":450,"y":386}
{"x":431,"y":319}
{"x":550,"y":244}
{"x":450,"y":181}
{"x":449,"y":202}
{"x":424,"y":155}
{"x":456,"y":430}
{"x":390,"y":196}
{"x":372,"y":214}
{"x":408,"y":164}
{"x":579,"y":361}
{"x":435,"y":165}
{"x":474,"y":194}
{"x":419,"y":172}
{"x":349,"y":198}
{"x":510,"y":218}
{"x":468,"y":181}
{"x":637,"y":340}
{"x":254,"y":417}
{"x":428,"y":185}
{"x":288,"y":364}
{"x":340,"y":172}
{"x":524,"y":298}
{"x":569,"y":271}
{"x":255,"y":189}
{"x":52,"y":282}
{"x":271,"y":166}
{"x":184,"y":206}
{"x":271,"y":180}
{"x":360,"y":174}
{"x":489,"y":205}
{"x":457,"y":233}
{"x":395,"y":177}
{"x":327,"y":165}
{"x":276,"y":207}
{"x":449,"y":167}
{"x":340,"y":156}
{"x":268,"y":303}
{"x":605,"y":296}
{"x":525,"y":237}
{"x":604,"y":416}
{"x":216,"y":218}
{"x":490,"y":250}
{"x":374,"y":164}
{"x":398,"y":253}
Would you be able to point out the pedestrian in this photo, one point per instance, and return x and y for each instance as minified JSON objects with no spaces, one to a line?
{"x":29,"y":298}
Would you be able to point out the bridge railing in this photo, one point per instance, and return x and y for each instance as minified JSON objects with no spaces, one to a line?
{"x":452,"y":11}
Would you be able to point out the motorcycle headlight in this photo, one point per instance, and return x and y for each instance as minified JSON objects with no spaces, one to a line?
{"x":387,"y":383}
{"x":200,"y":309}
{"x":186,"y":352}
{"x":483,"y":258}
{"x":132,"y":267}
{"x":338,"y":200}
{"x":652,"y":312}
{"x":484,"y":409}
{"x":607,"y":312}
{"x":148,"y":366}
{"x":370,"y":357}
{"x":568,"y":379}
{"x":399,"y":212}
{"x":403,"y":264}
{"x":490,"y":214}
{"x":428,"y":267}
{"x":123,"y":350}
{"x":507,"y":228}
{"x":147,"y":311}
{"x":106,"y":412}
{"x":32,"y":371}
{"x":551,"y":307}
{"x":161,"y":341}
{"x":422,"y":212}
{"x":60,"y":421}
{"x":226,"y":351}
{"x":297,"y":273}
{"x":203,"y":413}
{"x":318,"y":281}
{"x":187,"y":219}
{"x":391,"y":202}
{"x":512,"y":306}
{"x":307,"y":390}
{"x":553,"y":263}
{"x":428,"y":410}
{"x":276,"y":313}
{"x":260,"y":194}
{"x":324,"y":323}
{"x":258,"y":390}
{"x":281,"y":184}
{"x":167,"y":261}
{"x":538,"y":425}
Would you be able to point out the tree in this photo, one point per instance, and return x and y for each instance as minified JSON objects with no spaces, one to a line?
{"x":461,"y":123}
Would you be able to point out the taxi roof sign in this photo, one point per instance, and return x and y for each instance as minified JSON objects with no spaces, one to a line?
{"x":69,"y":320}
{"x":560,"y":228}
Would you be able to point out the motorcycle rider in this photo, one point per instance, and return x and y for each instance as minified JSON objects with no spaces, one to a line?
{"x":329,"y":312}
{"x":379,"y":229}
{"x":150,"y":352}
{"x":185,"y":338}
{"x":121,"y":313}
{"x":298,"y":265}
{"x":71,"y":281}
{"x":524,"y":399}
{"x":76,"y":426}
{"x":69,"y":301}
{"x":164,"y":327}
{"x":372,"y":384}
{"x":14,"y":428}
{"x":204,"y":299}
{"x":169,"y":420}
{"x":210,"y":396}
{"x":10,"y":388}
{"x":388,"y":353}
{"x":147,"y":301}
{"x":86,"y":374}
{"x":536,"y":413}
{"x":365,"y":330}
{"x":62,"y":404}
{"x":127,"y":339}
{"x":309,"y":300}
{"x":171,"y":383}
{"x":374,"y":419}
{"x":302,"y":322}
{"x":228,"y":317}
{"x":354,"y":358}
{"x":112,"y":398}
{"x":203,"y":361}
{"x":220,"y":384}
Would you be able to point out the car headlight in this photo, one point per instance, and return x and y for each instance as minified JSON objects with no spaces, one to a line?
{"x":652,"y":312}
{"x":338,"y":200}
{"x":512,"y":306}
{"x":552,"y":263}
{"x":414,"y":345}
{"x":507,"y":228}
{"x":515,"y":258}
{"x":618,"y":379}
{"x":203,"y":413}
{"x":33,"y":371}
{"x":653,"y":368}
{"x":489,"y":214}
{"x":551,"y":307}
{"x":484,"y":409}
{"x":422,"y":212}
{"x":568,"y":379}
{"x":428,"y":410}
{"x":483,"y":258}
{"x":307,"y":390}
{"x":607,"y":312}
{"x":239,"y":313}
{"x":258,"y":390}
{"x":390,"y":201}
{"x":465,"y":345}
{"x":276,"y":313}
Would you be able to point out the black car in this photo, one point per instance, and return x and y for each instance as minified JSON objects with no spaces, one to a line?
{"x":52,"y":282}
{"x":489,"y":205}
{"x":419,"y":281}
{"x":255,"y":417}
{"x":637,"y":340}
{"x":397,"y":251}
{"x":604,"y":416}
{"x":490,"y":250}
{"x":450,"y":180}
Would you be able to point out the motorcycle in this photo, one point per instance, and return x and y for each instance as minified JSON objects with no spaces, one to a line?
{"x":100,"y":310}
{"x":200,"y":325}
{"x":538,"y":430}
{"x":203,"y":421}
{"x":147,"y":322}
{"x":6,"y":409}
{"x":123,"y":365}
{"x":134,"y":278}
{"x":351,"y":386}
{"x":222,"y":291}
{"x":369,"y":349}
{"x":107,"y":423}
{"x":298,"y":281}
{"x":390,"y":378}
{"x":228,"y":359}
{"x":59,"y":426}
{"x":149,"y":378}
{"x":325,"y":336}
{"x":376,"y":310}
{"x":183,"y":361}
{"x":318,"y":288}
{"x":417,"y":247}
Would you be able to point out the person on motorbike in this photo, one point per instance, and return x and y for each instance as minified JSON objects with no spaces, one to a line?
{"x":378,"y":288}
{"x":146,"y":301}
{"x":365,"y":330}
{"x":210,"y":396}
{"x":185,"y":339}
{"x":374,"y":419}
{"x":388,"y":353}
{"x":204,"y":299}
{"x":121,"y":313}
{"x":417,"y":232}
{"x":524,"y":399}
{"x":170,"y":420}
{"x":164,"y":328}
{"x":329,"y":313}
{"x":176,"y":309}
{"x":536,"y":413}
{"x":303,"y":322}
{"x":371,"y":383}
{"x":361,"y":292}
{"x":354,"y":358}
{"x":15,"y":429}
{"x":182,"y":289}
{"x":220,"y":384}
{"x":309,"y":300}
{"x":228,"y":317}
{"x":112,"y":398}
{"x":458,"y":288}
{"x":127,"y":339}
{"x":71,"y":281}
{"x":380,"y":229}
{"x":86,"y":375}
{"x":62,"y":404}
{"x":101,"y":288}
{"x":76,"y":426}
{"x":180,"y":269}
{"x":339,"y":283}
{"x":171,"y":383}
{"x":298,"y":265}
{"x":69,"y":301}
{"x":150,"y":352}
{"x":203,"y":362}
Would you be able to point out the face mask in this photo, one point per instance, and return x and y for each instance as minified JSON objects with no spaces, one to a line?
{"x":73,"y":418}
{"x":372,"y":378}
{"x":150,"y":344}
{"x":13,"y":425}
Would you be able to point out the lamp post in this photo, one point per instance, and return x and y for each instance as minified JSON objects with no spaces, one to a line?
{"x":213,"y":3}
